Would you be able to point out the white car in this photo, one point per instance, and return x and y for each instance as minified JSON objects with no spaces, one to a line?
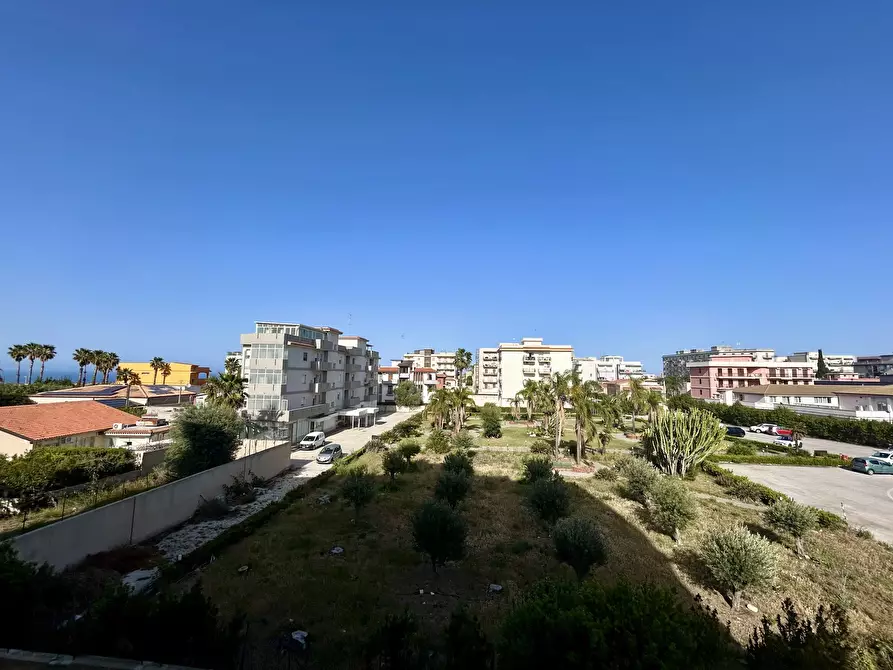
{"x":787,"y":441}
{"x":765,"y":428}
{"x":313,"y":440}
{"x":885,"y":456}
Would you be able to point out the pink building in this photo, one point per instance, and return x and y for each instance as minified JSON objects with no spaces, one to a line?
{"x":710,"y":378}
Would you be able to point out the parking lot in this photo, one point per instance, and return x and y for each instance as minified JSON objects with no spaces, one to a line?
{"x":812,"y":443}
{"x":867,"y":500}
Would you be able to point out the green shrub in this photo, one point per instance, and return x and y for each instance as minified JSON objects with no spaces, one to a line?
{"x":409,"y":449}
{"x":589,"y":625}
{"x":393,"y":463}
{"x":606,"y":474}
{"x":452,"y":487}
{"x":491,"y":420}
{"x":358,"y":488}
{"x":741,"y":450}
{"x":829,"y":520}
{"x":738,"y":559}
{"x":671,"y":506}
{"x":792,"y":518}
{"x":439,"y":532}
{"x":741,"y":487}
{"x":536,"y":468}
{"x":864,"y":534}
{"x":50,"y":468}
{"x":827,"y":461}
{"x":549,"y":498}
{"x":462,"y":441}
{"x":388,"y":437}
{"x":640,"y":475}
{"x":823,"y":644}
{"x":438,"y":442}
{"x":202,"y":437}
{"x":458,"y":461}
{"x":580,"y":543}
{"x":466,"y":646}
{"x":542,"y":447}
{"x":241,"y":491}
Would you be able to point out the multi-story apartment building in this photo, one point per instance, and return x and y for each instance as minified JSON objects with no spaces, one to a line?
{"x":504,"y":369}
{"x":873,"y":366}
{"x":677,"y":364}
{"x":607,"y":368}
{"x":837,"y":363}
{"x":443,"y":362}
{"x":709,"y":379}
{"x":301,"y":378}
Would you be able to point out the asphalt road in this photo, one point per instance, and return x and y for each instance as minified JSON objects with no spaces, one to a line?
{"x":813,"y":443}
{"x":867,"y":500}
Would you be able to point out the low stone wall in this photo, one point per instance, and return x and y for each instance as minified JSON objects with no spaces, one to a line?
{"x":142,"y":516}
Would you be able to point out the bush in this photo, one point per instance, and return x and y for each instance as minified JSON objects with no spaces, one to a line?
{"x":802,"y":644}
{"x":606,"y":474}
{"x":458,"y":461}
{"x":671,"y":506}
{"x":579,"y":543}
{"x":393,"y":463}
{"x":358,"y":488}
{"x":202,"y":437}
{"x":439,"y":532}
{"x":462,"y":441}
{"x":829,"y":520}
{"x":640,"y":476}
{"x":549,"y":498}
{"x":50,"y":468}
{"x":536,"y":468}
{"x":452,"y":487}
{"x":741,"y":487}
{"x":491,"y":420}
{"x":409,"y":449}
{"x":792,"y":518}
{"x":210,"y":510}
{"x":542,"y":447}
{"x":438,"y":442}
{"x":466,"y":645}
{"x":590,"y":625}
{"x":738,"y":560}
{"x":826,"y":461}
{"x":241,"y":491}
{"x":407,"y":394}
{"x":741,"y":450}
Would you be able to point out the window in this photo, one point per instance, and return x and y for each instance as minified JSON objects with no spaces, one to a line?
{"x":260,"y":403}
{"x":265,"y":377}
{"x":305,"y":355}
{"x":338,"y":397}
{"x":773,"y":398}
{"x":304,"y":380}
{"x":798,"y":399}
{"x":267,"y":351}
{"x":882,"y":407}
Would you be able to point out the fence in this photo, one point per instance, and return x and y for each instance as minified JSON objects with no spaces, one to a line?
{"x":141,"y":516}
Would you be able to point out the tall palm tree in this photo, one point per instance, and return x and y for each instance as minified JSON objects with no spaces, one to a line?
{"x":461,"y":399}
{"x":582,"y":398}
{"x":636,"y":394}
{"x":18,"y":353}
{"x":439,"y":407}
{"x":81,"y":356}
{"x":515,"y":404}
{"x":108,"y":361}
{"x":232,"y":366}
{"x":653,"y":400}
{"x":608,"y":410}
{"x":47,"y":353}
{"x":95,"y":358}
{"x":461,"y":361}
{"x":557,"y":388}
{"x":673,"y":385}
{"x":32,"y":353}
{"x":165,"y":372}
{"x":130,"y":379}
{"x":529,"y":394}
{"x":156,"y":364}
{"x":226,"y":389}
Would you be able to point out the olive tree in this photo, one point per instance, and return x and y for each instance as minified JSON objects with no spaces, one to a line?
{"x":439,"y":532}
{"x":738,"y":559}
{"x":794,"y":519}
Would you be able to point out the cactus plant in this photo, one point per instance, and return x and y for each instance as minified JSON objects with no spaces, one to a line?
{"x":675,"y":442}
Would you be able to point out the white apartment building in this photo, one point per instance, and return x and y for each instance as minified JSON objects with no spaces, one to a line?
{"x":443,"y":362}
{"x":840,"y":363}
{"x":303,"y":378}
{"x":677,"y":364}
{"x":607,"y":368}
{"x":850,"y":402}
{"x":504,"y":369}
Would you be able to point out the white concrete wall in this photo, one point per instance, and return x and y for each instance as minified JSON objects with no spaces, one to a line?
{"x":142,"y":516}
{"x":11,"y":445}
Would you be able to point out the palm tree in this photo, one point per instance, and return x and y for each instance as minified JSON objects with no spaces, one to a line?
{"x":653,"y":400}
{"x":462,"y":361}
{"x":81,"y":356}
{"x":673,"y":385}
{"x":130,"y":378}
{"x":108,"y":361}
{"x":461,"y":400}
{"x":47,"y":353}
{"x":636,"y":394}
{"x":439,"y":407}
{"x":516,"y":407}
{"x":32,"y":353}
{"x":95,"y":358}
{"x":165,"y":372}
{"x":582,"y":397}
{"x":603,"y":434}
{"x":156,"y":364}
{"x":557,"y":388}
{"x":608,"y":410}
{"x":232,"y":366}
{"x":530,"y":393}
{"x":18,"y":353}
{"x":226,"y":389}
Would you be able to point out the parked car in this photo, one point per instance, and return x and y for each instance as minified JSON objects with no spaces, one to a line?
{"x":765,"y":428}
{"x":329,"y":453}
{"x":885,"y":456}
{"x":787,"y":441}
{"x":313,"y":440}
{"x":736,"y":431}
{"x":870,"y":465}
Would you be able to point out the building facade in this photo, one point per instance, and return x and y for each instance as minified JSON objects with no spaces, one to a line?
{"x":607,"y":368}
{"x":443,"y":362}
{"x":504,"y":369}
{"x":850,"y":402}
{"x":677,"y":364}
{"x":837,"y":363}
{"x":710,"y":378}
{"x":873,"y":366}
{"x":302,"y":378}
{"x":182,"y":374}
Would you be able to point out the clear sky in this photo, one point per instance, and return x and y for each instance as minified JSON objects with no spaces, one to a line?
{"x":629,"y":177}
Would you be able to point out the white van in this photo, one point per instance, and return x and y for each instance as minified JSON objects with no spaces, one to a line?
{"x":313,"y":440}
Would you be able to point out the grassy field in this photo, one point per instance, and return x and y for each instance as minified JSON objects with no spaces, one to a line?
{"x":294,"y":582}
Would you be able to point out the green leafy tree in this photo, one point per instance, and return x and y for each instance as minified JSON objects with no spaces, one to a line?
{"x":409,"y":449}
{"x":452,"y":487}
{"x":792,"y":518}
{"x":674,"y":385}
{"x":557,"y":389}
{"x":459,"y":461}
{"x":129,"y":378}
{"x":462,"y":362}
{"x":462,"y":441}
{"x":439,"y":532}
{"x":580,"y":543}
{"x":822,"y":370}
{"x":393,"y":463}
{"x":671,"y":506}
{"x":738,"y":560}
{"x":157,"y":364}
{"x":583,"y":398}
{"x":202,"y":437}
{"x":676,"y":442}
{"x":407,"y":394}
{"x":358,"y":488}
{"x":232,"y":366}
{"x":536,"y":468}
{"x":491,"y":420}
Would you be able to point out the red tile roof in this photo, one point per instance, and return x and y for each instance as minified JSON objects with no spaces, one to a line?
{"x":422,"y":370}
{"x":60,"y":419}
{"x":388,"y":369}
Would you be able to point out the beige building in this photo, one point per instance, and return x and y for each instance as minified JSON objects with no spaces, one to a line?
{"x":443,"y":362}
{"x":58,"y":424}
{"x":503,"y":370}
{"x":838,"y":363}
{"x":303,"y":378}
{"x":607,"y":368}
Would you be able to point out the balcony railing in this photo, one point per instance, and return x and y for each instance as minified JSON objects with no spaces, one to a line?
{"x":528,"y":369}
{"x":322,"y":366}
{"x":490,"y":373}
{"x":322,"y":387}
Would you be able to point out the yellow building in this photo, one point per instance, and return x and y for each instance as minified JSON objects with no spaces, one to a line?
{"x":182,"y":374}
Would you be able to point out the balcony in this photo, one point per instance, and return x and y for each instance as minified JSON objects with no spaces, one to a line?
{"x":545,"y":369}
{"x":528,"y":369}
{"x":307,"y":412}
{"x":491,"y":365}
{"x":354,"y":367}
{"x":545,"y":359}
{"x":322,"y":366}
{"x":353,"y":384}
{"x":322,"y":387}
{"x":325,"y":345}
{"x":490,"y":373}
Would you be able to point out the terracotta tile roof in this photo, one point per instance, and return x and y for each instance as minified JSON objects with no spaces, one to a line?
{"x":60,"y":419}
{"x":424,"y":370}
{"x":388,"y":369}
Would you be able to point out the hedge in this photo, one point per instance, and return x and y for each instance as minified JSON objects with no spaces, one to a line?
{"x":410,"y":427}
{"x":853,"y":431}
{"x":822,"y":461}
{"x":50,"y":468}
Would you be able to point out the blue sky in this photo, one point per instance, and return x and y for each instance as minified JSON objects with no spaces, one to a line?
{"x":629,"y":178}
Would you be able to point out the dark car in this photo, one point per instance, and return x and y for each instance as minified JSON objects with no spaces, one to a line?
{"x":329,"y":453}
{"x":735,"y":431}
